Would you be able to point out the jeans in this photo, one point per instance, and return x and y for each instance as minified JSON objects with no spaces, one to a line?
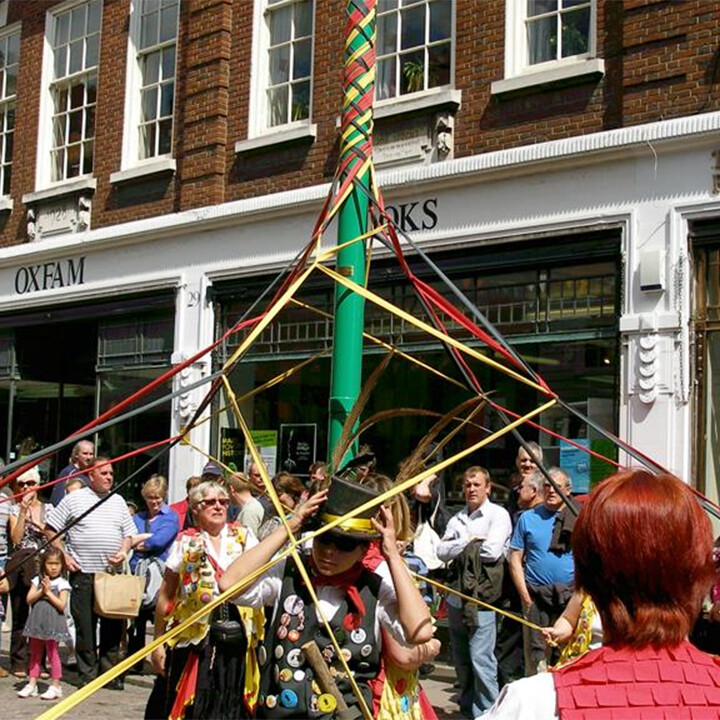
{"x":474,"y":655}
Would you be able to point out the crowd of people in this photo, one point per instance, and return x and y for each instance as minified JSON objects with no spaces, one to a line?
{"x":355,"y":629}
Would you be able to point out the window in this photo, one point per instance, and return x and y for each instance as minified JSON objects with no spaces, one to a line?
{"x":289,"y":28}
{"x":414,"y":46}
{"x":75,"y":42}
{"x":557,"y":29}
{"x":9,"y":56}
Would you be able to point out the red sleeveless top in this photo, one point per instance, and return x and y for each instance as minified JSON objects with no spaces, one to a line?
{"x":626,"y":684}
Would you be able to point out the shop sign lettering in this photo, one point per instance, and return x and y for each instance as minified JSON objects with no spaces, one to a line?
{"x":50,"y":275}
{"x":414,"y":216}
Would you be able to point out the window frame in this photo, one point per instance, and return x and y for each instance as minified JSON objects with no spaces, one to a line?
{"x":130,"y":159}
{"x":258,"y":120}
{"x":7,"y":102}
{"x":43,"y":177}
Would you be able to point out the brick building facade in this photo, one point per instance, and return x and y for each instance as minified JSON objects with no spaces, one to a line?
{"x":565,"y":149}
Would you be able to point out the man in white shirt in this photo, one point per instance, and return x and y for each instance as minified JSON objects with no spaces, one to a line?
{"x":483,"y":528}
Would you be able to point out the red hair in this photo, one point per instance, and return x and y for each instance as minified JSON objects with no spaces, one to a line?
{"x":643,"y":551}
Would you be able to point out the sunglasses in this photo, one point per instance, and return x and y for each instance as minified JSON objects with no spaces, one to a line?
{"x":26,"y":484}
{"x":222,"y":502}
{"x":339,"y":542}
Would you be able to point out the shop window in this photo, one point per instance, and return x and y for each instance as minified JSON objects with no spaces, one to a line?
{"x":414,"y":46}
{"x":74,"y":38}
{"x":135,"y":342}
{"x":9,"y":59}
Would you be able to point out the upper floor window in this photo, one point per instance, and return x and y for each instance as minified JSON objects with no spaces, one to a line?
{"x":289,"y":31}
{"x":557,"y":29}
{"x":9,"y":56}
{"x":75,"y":44}
{"x":414,"y":46}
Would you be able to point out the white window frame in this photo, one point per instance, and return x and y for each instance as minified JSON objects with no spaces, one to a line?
{"x":440,"y":93}
{"x":259,"y":131}
{"x":43,"y":174}
{"x":6,"y":102}
{"x":131,"y":163}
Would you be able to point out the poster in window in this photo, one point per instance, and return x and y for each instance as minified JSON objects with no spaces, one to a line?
{"x":232,"y":447}
{"x":266,"y":443}
{"x":576,"y":463}
{"x":297,"y":447}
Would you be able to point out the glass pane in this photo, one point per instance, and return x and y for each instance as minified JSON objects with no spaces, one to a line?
{"x":542,"y":40}
{"x":77,"y":22}
{"x":387,"y":34}
{"x":93,"y":24}
{"x":7,"y":178}
{"x":76,"y":56}
{"x":538,"y":7}
{"x":412,"y":72}
{"x":149,"y":103}
{"x":61,"y":100}
{"x":278,"y":101}
{"x":59,"y":130}
{"x":386,"y":84}
{"x":87,"y":165}
{"x":165,"y":138}
{"x":61,"y":29}
{"x":168,"y":63}
{"x":280,"y":21}
{"x":92,"y":53}
{"x":302,"y":55}
{"x":168,"y":23}
{"x":280,"y":65}
{"x":303,"y":18}
{"x":91,"y":89}
{"x":413,"y":27}
{"x":712,"y":417}
{"x":439,"y":65}
{"x":440,"y":20}
{"x":384,"y":5}
{"x":76,"y":125}
{"x":147,"y":140}
{"x":166,"y":99}
{"x":60,"y":60}
{"x":300,"y":101}
{"x":11,"y":81}
{"x":9,"y":138}
{"x":58,"y":164}
{"x":151,"y":68}
{"x":77,"y":96}
{"x":149,"y":30}
{"x":575,"y":32}
{"x":13,"y":51}
{"x":73,"y":160}
{"x":574,"y":3}
{"x":10,"y":118}
{"x":4,"y":92}
{"x":90,"y":122}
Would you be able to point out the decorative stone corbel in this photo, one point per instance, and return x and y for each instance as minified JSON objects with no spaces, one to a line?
{"x":444,"y":135}
{"x":647,"y":367}
{"x":31,"y":228}
{"x":84,"y":210}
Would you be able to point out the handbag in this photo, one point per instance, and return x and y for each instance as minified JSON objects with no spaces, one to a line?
{"x":226,"y":627}
{"x":118,"y":595}
{"x":426,"y":543}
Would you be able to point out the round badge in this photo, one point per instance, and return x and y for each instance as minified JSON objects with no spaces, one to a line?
{"x":405,"y":703}
{"x":328,"y":653}
{"x":313,"y":703}
{"x":346,"y":654}
{"x":288,"y":699}
{"x":295,"y":658}
{"x":279,"y":651}
{"x":282,"y":632}
{"x":363,"y":666}
{"x":262,"y":655}
{"x":366,"y":650}
{"x":285,"y":619}
{"x":358,"y":636}
{"x":293,"y":636}
{"x":299,"y":675}
{"x":286,"y":675}
{"x":293,"y":605}
{"x":261,"y":700}
{"x":271,"y":701}
{"x":276,"y":674}
{"x":326,"y":703}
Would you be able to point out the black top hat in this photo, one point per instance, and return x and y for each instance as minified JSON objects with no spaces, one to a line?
{"x":343,"y":497}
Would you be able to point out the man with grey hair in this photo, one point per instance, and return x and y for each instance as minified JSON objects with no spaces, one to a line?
{"x":542,"y":571}
{"x":80,"y":459}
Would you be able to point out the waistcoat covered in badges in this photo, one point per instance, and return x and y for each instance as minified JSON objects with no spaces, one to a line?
{"x":642,"y":684}
{"x":287,"y":686}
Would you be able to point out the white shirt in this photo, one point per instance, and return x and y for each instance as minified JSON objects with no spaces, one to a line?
{"x":531,"y":698}
{"x":490,"y":523}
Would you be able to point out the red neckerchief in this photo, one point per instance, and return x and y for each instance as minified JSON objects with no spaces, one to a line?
{"x":348,"y":582}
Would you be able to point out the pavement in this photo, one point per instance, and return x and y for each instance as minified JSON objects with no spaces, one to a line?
{"x":130,"y":703}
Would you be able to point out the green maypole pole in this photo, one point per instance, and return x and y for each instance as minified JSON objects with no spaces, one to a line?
{"x":355,"y":149}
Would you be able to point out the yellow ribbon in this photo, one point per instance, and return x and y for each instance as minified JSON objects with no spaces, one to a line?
{"x":360,"y":524}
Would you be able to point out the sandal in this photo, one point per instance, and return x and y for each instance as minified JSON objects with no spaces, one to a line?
{"x":20,"y":674}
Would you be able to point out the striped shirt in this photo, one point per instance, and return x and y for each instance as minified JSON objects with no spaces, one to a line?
{"x":99,"y":534}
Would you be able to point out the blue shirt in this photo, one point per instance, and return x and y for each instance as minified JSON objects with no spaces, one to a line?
{"x":164,"y":528}
{"x":533,"y":534}
{"x":59,"y":490}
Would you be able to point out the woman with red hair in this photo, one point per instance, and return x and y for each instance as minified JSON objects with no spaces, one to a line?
{"x":643,"y":552}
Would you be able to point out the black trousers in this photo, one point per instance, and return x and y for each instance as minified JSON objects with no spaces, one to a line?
{"x":82,"y":600}
{"x":19,"y":653}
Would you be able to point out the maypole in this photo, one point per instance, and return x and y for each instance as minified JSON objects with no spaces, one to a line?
{"x":355,"y":157}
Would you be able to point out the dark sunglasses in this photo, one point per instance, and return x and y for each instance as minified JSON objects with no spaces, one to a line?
{"x":340,"y":542}
{"x":28,"y":483}
{"x":222,"y":502}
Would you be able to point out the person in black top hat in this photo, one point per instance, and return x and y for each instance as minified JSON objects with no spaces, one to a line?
{"x":356,"y":602}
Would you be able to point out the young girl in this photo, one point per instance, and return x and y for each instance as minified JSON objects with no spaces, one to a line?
{"x":46,"y":624}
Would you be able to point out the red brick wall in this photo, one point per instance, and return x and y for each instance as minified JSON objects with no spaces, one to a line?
{"x":661,"y":61}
